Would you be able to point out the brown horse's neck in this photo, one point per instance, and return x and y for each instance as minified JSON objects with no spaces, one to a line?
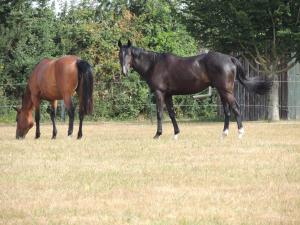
{"x":27,"y":103}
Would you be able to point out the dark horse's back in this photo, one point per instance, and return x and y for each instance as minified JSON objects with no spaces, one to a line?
{"x":222,"y":70}
{"x":189,"y":75}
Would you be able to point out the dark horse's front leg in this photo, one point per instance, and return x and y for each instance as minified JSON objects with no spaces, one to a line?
{"x":159,"y":110}
{"x":170,"y":108}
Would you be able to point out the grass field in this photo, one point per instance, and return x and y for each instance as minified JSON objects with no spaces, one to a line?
{"x":118,"y":175}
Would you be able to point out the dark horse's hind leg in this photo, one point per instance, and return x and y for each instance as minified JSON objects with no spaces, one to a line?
{"x":52,"y":116}
{"x":70,"y":108}
{"x":170,"y":108}
{"x":236,"y":110}
{"x":159,"y":110}
{"x":227,"y":117}
{"x":81,"y":115}
{"x":230,"y":99}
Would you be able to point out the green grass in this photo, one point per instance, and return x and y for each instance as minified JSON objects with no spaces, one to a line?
{"x":118,"y":175}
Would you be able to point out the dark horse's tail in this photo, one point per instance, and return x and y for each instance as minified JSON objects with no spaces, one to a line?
{"x":85,"y":86}
{"x":257,"y":85}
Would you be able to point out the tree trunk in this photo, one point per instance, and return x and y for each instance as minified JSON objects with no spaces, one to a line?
{"x":273,"y":111}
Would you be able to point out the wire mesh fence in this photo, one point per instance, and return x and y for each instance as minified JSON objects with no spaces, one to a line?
{"x":128,"y":99}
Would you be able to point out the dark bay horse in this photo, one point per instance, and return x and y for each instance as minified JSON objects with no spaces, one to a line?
{"x":169,"y":75}
{"x":52,"y":80}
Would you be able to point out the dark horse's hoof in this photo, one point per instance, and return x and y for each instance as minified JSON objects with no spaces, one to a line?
{"x":37,"y":136}
{"x":79,"y":137}
{"x":156,"y":136}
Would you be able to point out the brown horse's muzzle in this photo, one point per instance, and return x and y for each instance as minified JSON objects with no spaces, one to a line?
{"x":19,"y":135}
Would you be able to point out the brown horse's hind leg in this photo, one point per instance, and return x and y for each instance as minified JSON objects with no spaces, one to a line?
{"x":81,"y":115}
{"x":53,"y":115}
{"x":70,"y":109}
{"x":170,"y":108}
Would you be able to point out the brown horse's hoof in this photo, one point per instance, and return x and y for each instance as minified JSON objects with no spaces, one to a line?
{"x":37,"y":136}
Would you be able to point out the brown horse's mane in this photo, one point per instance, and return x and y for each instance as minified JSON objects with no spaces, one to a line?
{"x":26,"y":99}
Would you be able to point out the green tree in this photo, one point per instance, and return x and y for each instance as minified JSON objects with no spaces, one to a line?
{"x":265,"y":32}
{"x":26,"y":37}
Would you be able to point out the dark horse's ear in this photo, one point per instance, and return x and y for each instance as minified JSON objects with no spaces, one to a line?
{"x":120,"y":43}
{"x":129,"y":43}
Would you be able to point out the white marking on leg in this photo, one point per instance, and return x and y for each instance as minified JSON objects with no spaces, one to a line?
{"x":225,"y":133}
{"x":241,"y":132}
{"x":176,"y":137}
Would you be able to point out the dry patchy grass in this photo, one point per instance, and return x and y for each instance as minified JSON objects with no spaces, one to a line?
{"x":118,"y":175}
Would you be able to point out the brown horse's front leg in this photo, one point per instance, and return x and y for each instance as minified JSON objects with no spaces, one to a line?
{"x":159,"y":110}
{"x":37,"y":122}
{"x":52,"y":116}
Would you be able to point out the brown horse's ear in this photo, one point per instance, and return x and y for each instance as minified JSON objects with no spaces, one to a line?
{"x":16,"y":108}
{"x":120,"y":43}
{"x":129,"y":43}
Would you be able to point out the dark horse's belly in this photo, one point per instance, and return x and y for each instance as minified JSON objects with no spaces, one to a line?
{"x":189,"y":88}
{"x":190,"y":82}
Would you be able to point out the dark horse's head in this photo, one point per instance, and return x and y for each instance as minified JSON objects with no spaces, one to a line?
{"x":125,"y":56}
{"x":24,"y":122}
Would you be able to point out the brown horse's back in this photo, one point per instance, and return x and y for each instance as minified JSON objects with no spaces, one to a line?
{"x":54,"y":79}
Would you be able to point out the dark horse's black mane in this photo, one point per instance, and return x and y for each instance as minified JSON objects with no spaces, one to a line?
{"x":153,"y":56}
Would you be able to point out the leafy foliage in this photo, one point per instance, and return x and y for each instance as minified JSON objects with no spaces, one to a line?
{"x":31,"y":31}
{"x":264,"y":31}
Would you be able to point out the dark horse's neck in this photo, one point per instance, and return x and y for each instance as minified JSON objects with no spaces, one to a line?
{"x":27,"y":103}
{"x":143,"y":61}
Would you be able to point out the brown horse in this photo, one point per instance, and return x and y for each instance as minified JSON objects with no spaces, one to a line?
{"x":52,"y":80}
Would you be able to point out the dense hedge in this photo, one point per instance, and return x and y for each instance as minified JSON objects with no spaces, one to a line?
{"x":32,"y":31}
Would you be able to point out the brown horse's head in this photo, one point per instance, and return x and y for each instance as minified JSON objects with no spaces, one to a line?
{"x":24,"y":122}
{"x":125,"y":56}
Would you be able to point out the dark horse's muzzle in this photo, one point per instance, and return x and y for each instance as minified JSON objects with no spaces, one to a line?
{"x":125,"y":70}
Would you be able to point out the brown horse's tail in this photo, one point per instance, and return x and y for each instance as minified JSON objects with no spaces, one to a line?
{"x":256,"y":84}
{"x":85,"y":86}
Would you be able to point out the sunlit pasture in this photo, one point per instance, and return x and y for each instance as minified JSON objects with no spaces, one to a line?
{"x":117,"y":174}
